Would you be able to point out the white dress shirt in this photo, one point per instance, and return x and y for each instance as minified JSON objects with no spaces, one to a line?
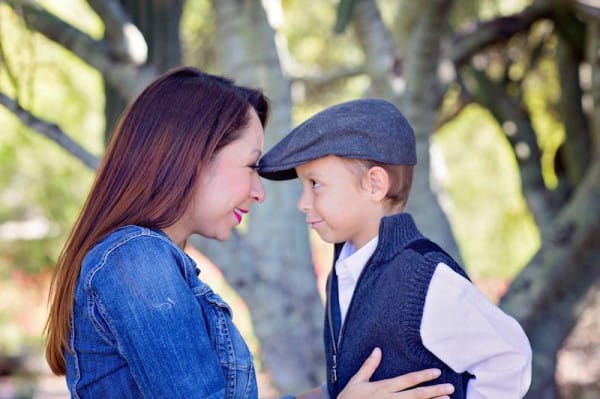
{"x":348,"y":267}
{"x":460,"y":326}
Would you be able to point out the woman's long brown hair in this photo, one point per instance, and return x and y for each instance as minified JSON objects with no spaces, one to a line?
{"x":161,"y":145}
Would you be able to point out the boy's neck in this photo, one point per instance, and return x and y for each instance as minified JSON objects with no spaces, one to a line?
{"x":393,"y":209}
{"x":368,"y":240}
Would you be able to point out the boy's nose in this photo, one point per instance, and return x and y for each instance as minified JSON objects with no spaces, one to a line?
{"x":303,"y":203}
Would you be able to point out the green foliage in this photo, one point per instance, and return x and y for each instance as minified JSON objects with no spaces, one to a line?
{"x":76,"y":13}
{"x":542,"y":93}
{"x":41,"y":186}
{"x":41,"y":183}
{"x":490,"y":219}
{"x":467,"y":11}
{"x":317,"y":52}
{"x":344,"y":15}
{"x":198,"y":35}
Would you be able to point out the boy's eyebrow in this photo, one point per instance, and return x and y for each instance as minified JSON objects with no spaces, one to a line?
{"x":307,"y":175}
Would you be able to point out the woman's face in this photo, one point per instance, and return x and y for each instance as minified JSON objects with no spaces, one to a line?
{"x":227,"y":188}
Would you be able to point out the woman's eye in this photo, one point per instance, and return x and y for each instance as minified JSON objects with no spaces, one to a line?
{"x":253,"y":166}
{"x":315,"y":184}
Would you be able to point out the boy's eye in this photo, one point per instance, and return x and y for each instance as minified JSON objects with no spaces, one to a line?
{"x":315,"y":184}
{"x":253,"y":166}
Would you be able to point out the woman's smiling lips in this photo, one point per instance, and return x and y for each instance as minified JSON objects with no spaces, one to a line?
{"x":239,"y":212}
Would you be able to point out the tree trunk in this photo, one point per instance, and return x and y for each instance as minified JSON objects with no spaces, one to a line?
{"x":421,"y":108}
{"x":379,"y":49}
{"x":271,"y":267}
{"x":575,"y":152}
{"x":523,"y":140}
{"x":158,"y":21}
{"x":409,"y":82}
{"x":549,"y":294}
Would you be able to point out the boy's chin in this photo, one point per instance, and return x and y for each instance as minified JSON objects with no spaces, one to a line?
{"x":329,"y":240}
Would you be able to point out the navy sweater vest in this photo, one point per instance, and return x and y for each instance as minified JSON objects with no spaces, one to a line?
{"x":386,"y":310}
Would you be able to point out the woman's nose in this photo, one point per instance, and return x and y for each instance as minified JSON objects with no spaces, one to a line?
{"x":258,"y":191}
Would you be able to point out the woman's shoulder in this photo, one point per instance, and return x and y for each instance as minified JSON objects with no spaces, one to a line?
{"x":134,"y":242}
{"x":131,"y":236}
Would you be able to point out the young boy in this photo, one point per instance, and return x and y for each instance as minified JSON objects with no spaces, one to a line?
{"x":391,"y":287}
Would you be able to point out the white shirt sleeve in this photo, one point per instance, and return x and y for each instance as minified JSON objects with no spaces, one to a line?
{"x":469,"y":333}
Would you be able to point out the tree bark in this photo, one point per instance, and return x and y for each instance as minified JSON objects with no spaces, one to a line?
{"x":129,"y":78}
{"x":263,"y":264}
{"x":410,"y":85}
{"x":548,"y":295}
{"x":51,"y":131}
{"x":575,"y":152}
{"x":271,"y":267}
{"x":421,"y":108}
{"x":157,"y":22}
{"x":379,"y":49}
{"x":496,"y":98}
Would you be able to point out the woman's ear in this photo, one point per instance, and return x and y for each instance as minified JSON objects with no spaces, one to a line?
{"x":378,"y":183}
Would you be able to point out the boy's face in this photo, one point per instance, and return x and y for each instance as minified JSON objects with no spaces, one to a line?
{"x":338,"y":204}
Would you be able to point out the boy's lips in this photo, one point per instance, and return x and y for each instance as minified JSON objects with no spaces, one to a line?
{"x":313,"y":223}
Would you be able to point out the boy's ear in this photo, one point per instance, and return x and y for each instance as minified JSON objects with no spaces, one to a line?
{"x":378,"y":183}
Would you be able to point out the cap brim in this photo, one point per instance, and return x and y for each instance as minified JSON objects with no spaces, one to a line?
{"x":284,"y":174}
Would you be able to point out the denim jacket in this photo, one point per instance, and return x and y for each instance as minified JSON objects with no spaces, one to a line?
{"x":145,"y":326}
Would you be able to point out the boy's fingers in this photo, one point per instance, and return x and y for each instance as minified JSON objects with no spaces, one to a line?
{"x":368,"y":368}
{"x":439,"y":391}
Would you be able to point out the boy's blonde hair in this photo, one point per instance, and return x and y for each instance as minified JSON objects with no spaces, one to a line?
{"x":400,"y":177}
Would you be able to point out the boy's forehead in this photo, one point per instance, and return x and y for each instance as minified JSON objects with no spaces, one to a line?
{"x":309,"y":167}
{"x":320,"y":165}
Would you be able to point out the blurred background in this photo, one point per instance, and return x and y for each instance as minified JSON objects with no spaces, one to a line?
{"x":504,"y":96}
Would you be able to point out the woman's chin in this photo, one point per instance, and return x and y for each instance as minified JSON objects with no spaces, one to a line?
{"x":223,"y":236}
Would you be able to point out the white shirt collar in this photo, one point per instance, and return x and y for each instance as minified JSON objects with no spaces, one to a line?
{"x":352,"y":261}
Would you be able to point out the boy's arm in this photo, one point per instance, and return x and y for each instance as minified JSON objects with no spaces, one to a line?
{"x":468,"y":333}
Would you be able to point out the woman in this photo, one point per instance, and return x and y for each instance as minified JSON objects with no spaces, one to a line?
{"x":128,"y":315}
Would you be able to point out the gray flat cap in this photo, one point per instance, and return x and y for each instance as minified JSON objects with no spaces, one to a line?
{"x":370,"y":129}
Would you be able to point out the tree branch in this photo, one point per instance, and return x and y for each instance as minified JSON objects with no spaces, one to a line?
{"x":378,"y":46}
{"x":127,"y":43}
{"x":593,"y":57}
{"x":589,"y":8}
{"x":57,"y":30}
{"x":313,"y":77}
{"x":481,"y":35}
{"x":52,"y":131}
{"x":127,"y":78}
{"x":544,"y":297}
{"x":448,"y":114}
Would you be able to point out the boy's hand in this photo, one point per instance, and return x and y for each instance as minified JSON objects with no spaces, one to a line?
{"x":393,"y":388}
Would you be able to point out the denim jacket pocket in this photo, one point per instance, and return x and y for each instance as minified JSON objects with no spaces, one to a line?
{"x":234,"y":355}
{"x":214,"y":299}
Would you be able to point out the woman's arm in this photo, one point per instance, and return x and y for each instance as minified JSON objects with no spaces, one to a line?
{"x":359,"y":385}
